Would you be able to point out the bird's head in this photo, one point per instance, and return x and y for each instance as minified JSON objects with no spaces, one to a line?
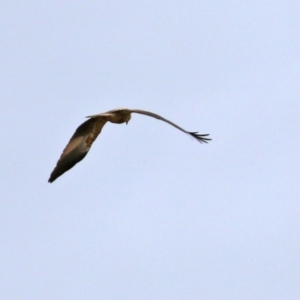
{"x":128,"y":117}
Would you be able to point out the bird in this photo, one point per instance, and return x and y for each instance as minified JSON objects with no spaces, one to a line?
{"x":84,"y":136}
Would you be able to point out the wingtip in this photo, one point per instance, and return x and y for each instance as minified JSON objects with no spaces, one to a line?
{"x":202,"y":138}
{"x":50,"y":180}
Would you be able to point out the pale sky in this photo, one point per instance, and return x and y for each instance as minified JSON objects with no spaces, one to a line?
{"x":151,"y":214}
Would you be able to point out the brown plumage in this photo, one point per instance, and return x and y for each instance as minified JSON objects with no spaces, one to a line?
{"x":84,"y":136}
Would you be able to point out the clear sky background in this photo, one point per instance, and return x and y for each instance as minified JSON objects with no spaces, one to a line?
{"x":150,"y":213}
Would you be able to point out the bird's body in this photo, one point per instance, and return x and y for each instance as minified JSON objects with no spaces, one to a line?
{"x":84,"y":136}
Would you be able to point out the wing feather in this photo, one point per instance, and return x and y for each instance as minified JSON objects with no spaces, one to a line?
{"x":78,"y":146}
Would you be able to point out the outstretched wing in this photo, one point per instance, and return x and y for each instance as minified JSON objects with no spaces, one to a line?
{"x":78,"y":146}
{"x":202,"y":138}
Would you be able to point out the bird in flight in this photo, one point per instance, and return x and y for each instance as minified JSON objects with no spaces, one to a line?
{"x":84,"y":136}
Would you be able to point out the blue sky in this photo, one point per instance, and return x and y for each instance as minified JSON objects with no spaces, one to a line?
{"x":150,"y":213}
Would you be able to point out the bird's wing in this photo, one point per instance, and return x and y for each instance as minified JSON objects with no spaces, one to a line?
{"x":78,"y":146}
{"x":202,"y":138}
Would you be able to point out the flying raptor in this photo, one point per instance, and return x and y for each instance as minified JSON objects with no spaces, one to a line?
{"x":84,"y":136}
